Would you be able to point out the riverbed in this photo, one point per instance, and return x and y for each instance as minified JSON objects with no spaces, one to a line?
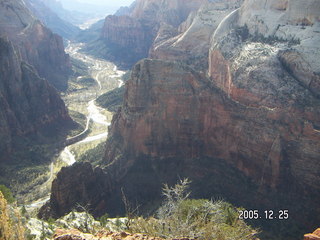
{"x":107,"y":77}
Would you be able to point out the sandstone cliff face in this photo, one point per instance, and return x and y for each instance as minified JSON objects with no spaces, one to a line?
{"x":128,"y":38}
{"x":191,"y":43}
{"x":256,"y":62}
{"x":29,"y":103}
{"x":37,"y":45}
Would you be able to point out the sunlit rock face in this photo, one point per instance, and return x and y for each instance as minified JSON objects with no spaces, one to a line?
{"x":129,"y":37}
{"x":191,"y":41}
{"x":29,"y":104}
{"x":263,"y":56}
{"x":36,"y":44}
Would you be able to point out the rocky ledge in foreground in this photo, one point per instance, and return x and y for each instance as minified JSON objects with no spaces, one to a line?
{"x":313,"y":236}
{"x":104,"y":235}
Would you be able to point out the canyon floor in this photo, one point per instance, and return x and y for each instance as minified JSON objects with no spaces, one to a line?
{"x":95,"y":78}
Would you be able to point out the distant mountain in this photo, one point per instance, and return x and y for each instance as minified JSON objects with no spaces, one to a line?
{"x":127,"y":38}
{"x":51,"y":19}
{"x":37,"y":45}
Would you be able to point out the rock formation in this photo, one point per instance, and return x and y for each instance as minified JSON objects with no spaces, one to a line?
{"x":249,"y":130}
{"x":36,"y":44}
{"x":128,"y":38}
{"x":190,"y":43}
{"x":313,"y":236}
{"x":103,"y":235}
{"x":88,"y":190}
{"x":29,"y":104}
{"x":51,"y":19}
{"x":31,"y":109}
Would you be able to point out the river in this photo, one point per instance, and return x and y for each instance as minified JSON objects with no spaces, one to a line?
{"x":107,"y":77}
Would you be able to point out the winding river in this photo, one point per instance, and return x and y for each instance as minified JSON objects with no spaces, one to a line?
{"x":103,"y":73}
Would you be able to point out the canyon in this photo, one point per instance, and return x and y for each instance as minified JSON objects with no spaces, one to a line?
{"x":228,"y":97}
{"x":32,"y":109}
{"x":241,"y":119}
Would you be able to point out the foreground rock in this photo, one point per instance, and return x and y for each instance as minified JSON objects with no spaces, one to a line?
{"x":313,"y":236}
{"x":104,"y":235}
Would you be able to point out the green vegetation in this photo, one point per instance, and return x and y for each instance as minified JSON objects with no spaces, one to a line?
{"x":7,"y":194}
{"x":244,"y":33}
{"x":104,"y":219}
{"x":111,"y":100}
{"x":79,"y":68}
{"x":200,"y":219}
{"x":94,"y":155}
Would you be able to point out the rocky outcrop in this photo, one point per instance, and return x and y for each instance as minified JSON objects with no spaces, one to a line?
{"x":313,"y":236}
{"x":36,"y":44}
{"x":165,"y":114}
{"x":191,"y":42}
{"x":129,"y":37}
{"x":29,"y":104}
{"x":88,"y":191}
{"x":301,"y":70}
{"x":103,"y":235}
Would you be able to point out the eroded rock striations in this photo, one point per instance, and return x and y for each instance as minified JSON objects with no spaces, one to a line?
{"x":190,"y":42}
{"x":36,"y":44}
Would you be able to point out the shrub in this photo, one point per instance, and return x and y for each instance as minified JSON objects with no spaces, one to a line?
{"x":7,"y":194}
{"x":194,"y":218}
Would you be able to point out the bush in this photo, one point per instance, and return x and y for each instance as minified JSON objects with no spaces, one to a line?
{"x":7,"y":194}
{"x":193,"y":218}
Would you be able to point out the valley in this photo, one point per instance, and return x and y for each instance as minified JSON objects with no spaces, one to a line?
{"x":221,"y":101}
{"x":81,"y":100}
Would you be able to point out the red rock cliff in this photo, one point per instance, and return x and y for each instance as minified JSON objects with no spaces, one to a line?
{"x":129,"y":38}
